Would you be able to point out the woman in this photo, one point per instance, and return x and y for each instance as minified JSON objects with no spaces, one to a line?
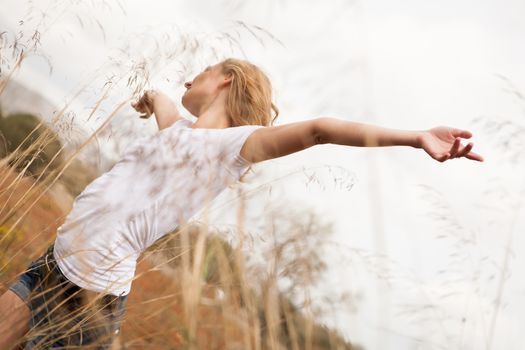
{"x":160,"y":182}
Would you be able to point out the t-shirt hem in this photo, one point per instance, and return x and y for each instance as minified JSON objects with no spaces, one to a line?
{"x":81,"y":283}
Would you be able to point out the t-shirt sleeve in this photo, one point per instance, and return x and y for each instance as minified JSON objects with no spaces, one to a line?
{"x":232,"y":141}
{"x":182,"y":122}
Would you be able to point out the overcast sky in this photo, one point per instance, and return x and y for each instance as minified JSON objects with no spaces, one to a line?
{"x":408,"y":65}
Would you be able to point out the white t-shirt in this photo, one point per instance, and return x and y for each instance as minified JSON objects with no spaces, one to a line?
{"x":160,"y":182}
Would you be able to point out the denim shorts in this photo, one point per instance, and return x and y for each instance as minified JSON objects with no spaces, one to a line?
{"x":64,"y":315}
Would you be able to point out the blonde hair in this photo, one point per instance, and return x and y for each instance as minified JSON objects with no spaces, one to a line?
{"x":250,"y":96}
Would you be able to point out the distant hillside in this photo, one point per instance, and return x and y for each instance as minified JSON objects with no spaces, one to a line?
{"x":18,"y":98}
{"x":36,"y":146}
{"x":38,"y":152}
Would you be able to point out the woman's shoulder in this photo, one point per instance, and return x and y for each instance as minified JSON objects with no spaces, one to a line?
{"x":179,"y":123}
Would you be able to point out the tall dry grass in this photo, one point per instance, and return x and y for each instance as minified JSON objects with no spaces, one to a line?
{"x":209,"y":294}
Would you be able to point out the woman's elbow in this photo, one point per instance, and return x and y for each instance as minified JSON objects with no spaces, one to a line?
{"x":319,"y":130}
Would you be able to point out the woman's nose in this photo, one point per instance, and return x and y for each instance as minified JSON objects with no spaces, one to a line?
{"x":187,"y":85}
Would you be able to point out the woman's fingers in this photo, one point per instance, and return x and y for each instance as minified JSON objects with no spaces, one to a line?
{"x":455,"y":153}
{"x":137,"y":104}
{"x":442,"y":158}
{"x":146,"y":110}
{"x":455,"y":147}
{"x":465,"y":150}
{"x":474,"y":156}
{"x":142,"y":105}
{"x":461,"y":133}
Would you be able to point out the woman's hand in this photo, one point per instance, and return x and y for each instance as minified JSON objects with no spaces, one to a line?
{"x":158,"y":103}
{"x":443,"y":143}
{"x":145,"y":104}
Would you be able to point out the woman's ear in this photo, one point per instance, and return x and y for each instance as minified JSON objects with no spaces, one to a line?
{"x":227,"y":79}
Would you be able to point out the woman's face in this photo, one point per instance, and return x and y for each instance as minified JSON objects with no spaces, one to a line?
{"x":203,"y":88}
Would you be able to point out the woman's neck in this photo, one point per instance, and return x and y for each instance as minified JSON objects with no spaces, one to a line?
{"x":213,"y":115}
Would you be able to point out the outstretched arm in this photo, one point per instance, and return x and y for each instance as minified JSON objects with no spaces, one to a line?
{"x":441,"y":143}
{"x":158,"y":103}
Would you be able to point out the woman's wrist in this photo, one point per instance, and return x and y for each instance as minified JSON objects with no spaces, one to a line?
{"x":397,"y":137}
{"x":152,"y":95}
{"x":418,"y":139}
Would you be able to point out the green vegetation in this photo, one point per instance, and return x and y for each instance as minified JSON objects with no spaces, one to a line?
{"x":33,"y":146}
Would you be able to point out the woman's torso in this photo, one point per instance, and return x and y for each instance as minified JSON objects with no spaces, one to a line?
{"x":159,"y":183}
